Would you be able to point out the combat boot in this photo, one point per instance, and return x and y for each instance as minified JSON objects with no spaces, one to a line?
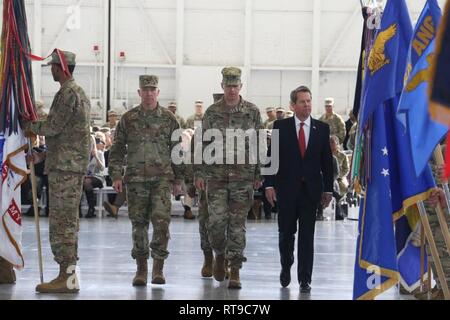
{"x":219,"y":268}
{"x":188,"y":215}
{"x":207,"y":270}
{"x":7,"y":275}
{"x":64,"y":283}
{"x":140,"y":278}
{"x":235,"y":282}
{"x":112,"y":210}
{"x":157,"y":273}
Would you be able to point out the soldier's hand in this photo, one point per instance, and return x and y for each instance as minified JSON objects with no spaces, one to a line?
{"x":200,"y":184}
{"x":257,"y":185}
{"x":437,"y":196}
{"x":176,"y":189}
{"x":118,"y":186}
{"x":271,"y":196}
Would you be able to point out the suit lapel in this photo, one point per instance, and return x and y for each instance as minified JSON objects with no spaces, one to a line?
{"x":313,"y":135}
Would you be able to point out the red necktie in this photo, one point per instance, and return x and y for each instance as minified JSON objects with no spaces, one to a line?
{"x":302,"y":140}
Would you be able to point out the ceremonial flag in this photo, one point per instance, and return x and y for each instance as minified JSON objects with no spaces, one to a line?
{"x":424,"y":133}
{"x":16,"y":104}
{"x":391,"y":185}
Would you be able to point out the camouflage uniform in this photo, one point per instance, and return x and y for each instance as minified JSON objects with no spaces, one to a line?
{"x":145,"y":137}
{"x":181,"y":121}
{"x":190,"y":122}
{"x":337,"y":126}
{"x":203,"y":219}
{"x":352,"y":137}
{"x":229,"y":188}
{"x":66,"y":163}
{"x":438,"y":236}
{"x":344,"y":169}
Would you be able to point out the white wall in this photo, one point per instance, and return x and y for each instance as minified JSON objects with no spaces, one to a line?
{"x":272,"y":41}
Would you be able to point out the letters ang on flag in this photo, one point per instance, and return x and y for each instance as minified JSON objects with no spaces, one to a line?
{"x":440,"y":81}
{"x":424,"y":133}
{"x":14,"y":174}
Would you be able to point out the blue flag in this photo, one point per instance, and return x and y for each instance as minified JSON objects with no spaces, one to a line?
{"x":424,"y":133}
{"x":392,"y":185}
{"x":386,"y":62}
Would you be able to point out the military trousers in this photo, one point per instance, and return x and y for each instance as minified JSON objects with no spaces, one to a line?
{"x":65,"y":191}
{"x":150,"y":201}
{"x":203,"y":219}
{"x":440,"y":244}
{"x":228,"y":206}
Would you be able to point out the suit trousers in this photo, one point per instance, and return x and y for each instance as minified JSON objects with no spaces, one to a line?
{"x":297,"y":209}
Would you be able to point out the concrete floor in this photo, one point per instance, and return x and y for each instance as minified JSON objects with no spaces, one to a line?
{"x":106,"y":267}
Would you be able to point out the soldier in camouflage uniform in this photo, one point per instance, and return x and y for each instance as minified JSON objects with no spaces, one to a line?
{"x":173,"y":108}
{"x":436,"y":197}
{"x":66,"y":164}
{"x":229,"y":188}
{"x":336,"y":123}
{"x":144,"y":136}
{"x":197,"y":117}
{"x":343,"y":163}
{"x":271,"y":118}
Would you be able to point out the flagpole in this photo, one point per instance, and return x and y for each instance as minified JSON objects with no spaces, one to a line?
{"x":434,"y":250}
{"x":422,"y":258}
{"x":36,"y":212}
{"x":440,"y":161}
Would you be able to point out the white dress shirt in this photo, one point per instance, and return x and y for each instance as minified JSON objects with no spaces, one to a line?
{"x":306,"y":128}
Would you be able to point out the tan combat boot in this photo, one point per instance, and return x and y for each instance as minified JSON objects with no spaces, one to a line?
{"x":235,"y":282}
{"x":140,"y":279}
{"x":65,"y":282}
{"x":157,"y":273}
{"x":207,"y":270}
{"x":219,"y":268}
{"x":7,"y":275}
{"x":112,"y":209}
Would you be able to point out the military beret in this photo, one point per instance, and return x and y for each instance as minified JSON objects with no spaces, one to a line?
{"x":146,"y":81}
{"x":231,"y":76}
{"x":69,"y":56}
{"x":329,"y":101}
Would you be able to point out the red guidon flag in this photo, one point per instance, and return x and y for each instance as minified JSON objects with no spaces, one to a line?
{"x":14,"y":174}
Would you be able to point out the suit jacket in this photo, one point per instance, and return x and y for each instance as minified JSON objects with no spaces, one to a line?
{"x":315,"y":170}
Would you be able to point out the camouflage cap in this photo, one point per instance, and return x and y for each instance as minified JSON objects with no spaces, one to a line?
{"x":270,"y":109}
{"x":70,"y":58}
{"x":112,"y":113}
{"x":146,"y":81}
{"x":172,"y":105}
{"x":289,"y":114}
{"x":329,"y":101}
{"x":281,"y":110}
{"x":231,"y":76}
{"x":199,"y":102}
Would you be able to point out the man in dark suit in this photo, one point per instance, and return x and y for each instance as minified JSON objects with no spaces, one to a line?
{"x":303,"y":182}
